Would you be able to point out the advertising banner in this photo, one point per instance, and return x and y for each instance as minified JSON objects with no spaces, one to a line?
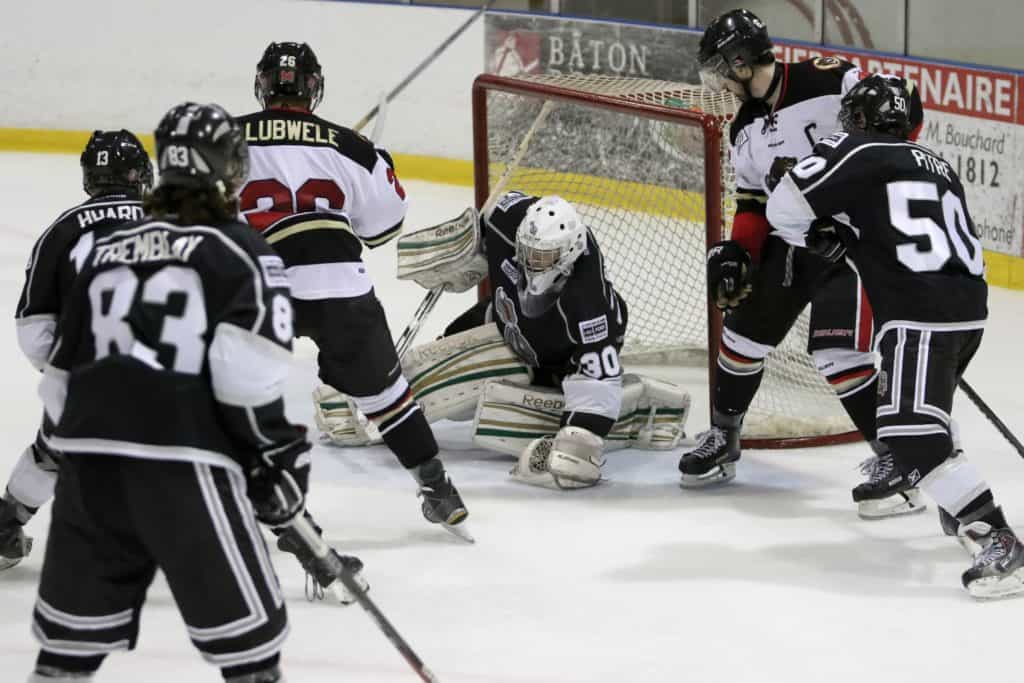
{"x":973,"y":116}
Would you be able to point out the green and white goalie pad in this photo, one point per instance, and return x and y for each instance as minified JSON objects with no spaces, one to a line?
{"x":447,"y":255}
{"x":447,"y":378}
{"x":510,"y":416}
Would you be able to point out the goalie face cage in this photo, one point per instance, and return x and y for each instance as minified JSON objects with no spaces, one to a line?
{"x":645,"y":164}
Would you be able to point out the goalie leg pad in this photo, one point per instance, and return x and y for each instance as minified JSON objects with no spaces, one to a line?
{"x":340,"y":420}
{"x":448,"y":376}
{"x":653,"y":414}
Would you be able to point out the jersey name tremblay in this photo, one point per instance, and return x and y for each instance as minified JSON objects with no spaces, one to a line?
{"x":149,"y":246}
{"x":124,"y":212}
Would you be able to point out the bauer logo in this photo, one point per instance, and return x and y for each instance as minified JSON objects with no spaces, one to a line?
{"x":273,"y":271}
{"x":594,"y":330}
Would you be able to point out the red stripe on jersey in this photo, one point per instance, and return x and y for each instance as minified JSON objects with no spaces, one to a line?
{"x":865,"y":321}
{"x":856,"y":374}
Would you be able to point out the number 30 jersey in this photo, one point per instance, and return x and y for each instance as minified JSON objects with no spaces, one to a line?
{"x":902,"y":214}
{"x":578,"y":338}
{"x":318,"y":192}
{"x":174,"y":345}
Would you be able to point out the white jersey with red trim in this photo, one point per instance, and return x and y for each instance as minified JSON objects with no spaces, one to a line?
{"x":318,"y":192}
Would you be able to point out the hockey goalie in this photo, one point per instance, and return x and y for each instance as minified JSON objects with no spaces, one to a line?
{"x":536,"y":365}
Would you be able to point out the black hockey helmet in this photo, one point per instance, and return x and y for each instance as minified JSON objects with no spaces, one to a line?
{"x":200,"y":146}
{"x":289,"y":70}
{"x":115,"y":161}
{"x":734,"y":40}
{"x":878,"y":104}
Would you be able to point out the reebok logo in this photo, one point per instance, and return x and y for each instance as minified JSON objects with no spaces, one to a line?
{"x":543,"y":402}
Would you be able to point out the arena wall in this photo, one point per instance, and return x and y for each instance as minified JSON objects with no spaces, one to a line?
{"x":115,"y":63}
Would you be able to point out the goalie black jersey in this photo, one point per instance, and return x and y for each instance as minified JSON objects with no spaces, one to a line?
{"x":580,"y":336}
{"x":185,"y":331}
{"x":54,"y":263}
{"x":903,"y":215}
{"x":318,"y":192}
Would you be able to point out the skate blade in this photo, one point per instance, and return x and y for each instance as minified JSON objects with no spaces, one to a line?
{"x":459,"y":530}
{"x":899,"y":504}
{"x":720,"y":474}
{"x":996,"y":588}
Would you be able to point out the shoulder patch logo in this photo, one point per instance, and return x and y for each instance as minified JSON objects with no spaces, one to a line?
{"x":834,"y":140}
{"x":273,"y":271}
{"x":511,"y":272}
{"x":594,"y":330}
{"x":510,"y":199}
{"x":826,"y":63}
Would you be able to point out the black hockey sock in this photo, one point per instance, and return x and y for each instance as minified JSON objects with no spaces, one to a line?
{"x":861,"y":405}
{"x":50,"y":664}
{"x":733,"y":392}
{"x":411,"y":439}
{"x":263,"y":671}
{"x":983,"y":508}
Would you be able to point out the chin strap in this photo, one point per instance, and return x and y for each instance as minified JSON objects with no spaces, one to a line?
{"x":776,"y":80}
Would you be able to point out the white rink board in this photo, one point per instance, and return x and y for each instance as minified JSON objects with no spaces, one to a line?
{"x":772,"y":579}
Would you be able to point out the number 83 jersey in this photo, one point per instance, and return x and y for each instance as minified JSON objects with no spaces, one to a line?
{"x":902,"y":214}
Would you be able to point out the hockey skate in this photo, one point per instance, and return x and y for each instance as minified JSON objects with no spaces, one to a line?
{"x":886,"y":493}
{"x":320,"y":574}
{"x":442,"y":503}
{"x":973,"y":537}
{"x":713,"y":461}
{"x":14,"y":544}
{"x":998,"y":570}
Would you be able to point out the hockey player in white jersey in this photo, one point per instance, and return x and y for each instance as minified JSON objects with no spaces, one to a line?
{"x":763,"y":283}
{"x":318,"y":192}
{"x":115,"y":173}
{"x":536,"y":364}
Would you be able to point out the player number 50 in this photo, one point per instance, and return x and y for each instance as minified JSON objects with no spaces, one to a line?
{"x":943,"y":240}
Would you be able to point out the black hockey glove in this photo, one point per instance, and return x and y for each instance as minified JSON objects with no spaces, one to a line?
{"x":780,"y":167}
{"x":278,"y":481}
{"x":729,"y":272}
{"x":823,"y":239}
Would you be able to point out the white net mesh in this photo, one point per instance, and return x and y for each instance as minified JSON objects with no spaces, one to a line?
{"x":638,"y":182}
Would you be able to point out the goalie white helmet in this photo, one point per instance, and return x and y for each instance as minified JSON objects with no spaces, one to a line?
{"x":548,"y":242}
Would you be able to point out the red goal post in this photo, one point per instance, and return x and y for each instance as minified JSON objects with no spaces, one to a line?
{"x":646,"y":164}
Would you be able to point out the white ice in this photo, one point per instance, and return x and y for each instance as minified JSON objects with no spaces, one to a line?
{"x":773,"y":578}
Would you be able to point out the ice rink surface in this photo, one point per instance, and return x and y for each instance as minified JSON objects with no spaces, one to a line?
{"x":773,"y":578}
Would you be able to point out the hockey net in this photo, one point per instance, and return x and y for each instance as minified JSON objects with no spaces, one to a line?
{"x":646,"y":166}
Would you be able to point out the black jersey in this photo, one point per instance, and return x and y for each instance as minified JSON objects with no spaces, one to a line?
{"x":318,"y":192}
{"x":579,"y":337}
{"x":174,"y":345}
{"x":807,"y":109}
{"x":904,"y":218}
{"x":54,"y":263}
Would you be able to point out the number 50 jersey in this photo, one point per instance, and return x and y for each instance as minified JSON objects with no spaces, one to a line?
{"x":174,"y":345}
{"x":903,"y":217}
{"x":318,"y":192}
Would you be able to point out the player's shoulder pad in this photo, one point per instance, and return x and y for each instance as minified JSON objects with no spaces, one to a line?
{"x":748,"y":111}
{"x":509,"y":210}
{"x":260,"y":254}
{"x":356,"y":146}
{"x":815,"y":77}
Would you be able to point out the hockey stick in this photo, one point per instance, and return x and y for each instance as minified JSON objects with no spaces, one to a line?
{"x":432,"y":297}
{"x":992,"y":417}
{"x":423,"y":65}
{"x":323,"y":554}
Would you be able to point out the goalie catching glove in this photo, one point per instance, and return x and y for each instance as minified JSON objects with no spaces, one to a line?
{"x":278,"y":481}
{"x":447,"y":255}
{"x":729,"y":274}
